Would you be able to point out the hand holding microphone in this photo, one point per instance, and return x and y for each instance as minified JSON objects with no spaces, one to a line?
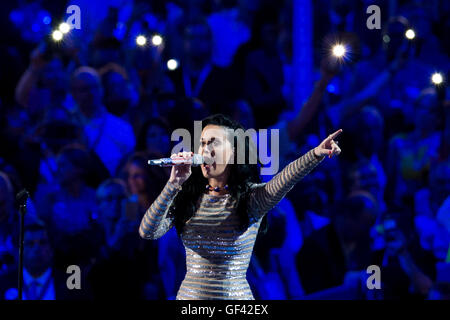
{"x":181,"y":172}
{"x":181,"y":164}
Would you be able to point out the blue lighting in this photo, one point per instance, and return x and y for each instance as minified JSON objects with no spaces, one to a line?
{"x":16,"y":17}
{"x":47,"y":20}
{"x":331,"y":88}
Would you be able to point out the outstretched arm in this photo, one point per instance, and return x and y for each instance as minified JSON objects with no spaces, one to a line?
{"x":265,"y":196}
{"x":30,"y":77}
{"x":344,"y":109}
{"x":328,"y":69}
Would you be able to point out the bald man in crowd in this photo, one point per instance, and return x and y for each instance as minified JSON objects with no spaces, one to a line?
{"x":110,"y":137}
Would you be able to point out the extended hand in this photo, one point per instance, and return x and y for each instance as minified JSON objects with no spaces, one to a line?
{"x":328,"y":147}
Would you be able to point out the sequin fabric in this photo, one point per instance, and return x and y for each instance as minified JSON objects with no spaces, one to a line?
{"x":218,"y":251}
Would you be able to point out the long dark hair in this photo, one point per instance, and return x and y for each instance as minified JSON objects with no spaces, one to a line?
{"x":239,"y":181}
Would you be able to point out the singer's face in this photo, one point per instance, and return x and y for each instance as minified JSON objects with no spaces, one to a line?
{"x":217,"y":150}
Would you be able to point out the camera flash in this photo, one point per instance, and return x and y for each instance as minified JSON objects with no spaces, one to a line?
{"x":339,"y":50}
{"x":410,"y":34}
{"x":64,"y":27}
{"x":141,"y":40}
{"x":172,"y":64}
{"x":437,"y":78}
{"x":57,"y":35}
{"x":157,"y":40}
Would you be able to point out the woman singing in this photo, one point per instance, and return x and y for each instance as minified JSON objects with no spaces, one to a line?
{"x":217,"y":209}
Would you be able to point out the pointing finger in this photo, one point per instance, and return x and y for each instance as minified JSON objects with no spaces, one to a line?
{"x":335,"y":134}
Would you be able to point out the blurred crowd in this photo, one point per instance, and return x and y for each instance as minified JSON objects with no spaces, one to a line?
{"x":79,"y":119}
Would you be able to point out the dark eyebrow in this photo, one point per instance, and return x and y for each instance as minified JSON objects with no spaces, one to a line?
{"x":212,"y":139}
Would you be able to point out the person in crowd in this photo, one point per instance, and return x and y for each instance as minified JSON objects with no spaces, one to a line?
{"x":273,"y":275}
{"x":429,"y":49}
{"x":198,"y":77}
{"x":143,"y":181}
{"x":171,"y":263}
{"x":184,"y":112}
{"x":51,"y":137}
{"x":368,"y":144}
{"x":106,"y":49}
{"x":331,"y":252}
{"x":122,"y":251}
{"x":43,"y":87}
{"x":154,"y":137}
{"x":409,"y":270}
{"x":110,"y":137}
{"x":410,"y":155}
{"x":338,"y":255}
{"x":147,"y":66}
{"x":432,"y":219}
{"x":119,"y":95}
{"x":242,"y":112}
{"x":230,"y":28}
{"x":363,"y":175}
{"x":9,"y":224}
{"x":264,"y":71}
{"x":41,"y":279}
{"x":67,"y":208}
{"x":310,"y":201}
{"x":440,"y":291}
{"x":444,"y":149}
{"x":401,"y":86}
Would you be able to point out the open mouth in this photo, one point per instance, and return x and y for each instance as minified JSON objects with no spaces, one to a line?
{"x":209,"y":166}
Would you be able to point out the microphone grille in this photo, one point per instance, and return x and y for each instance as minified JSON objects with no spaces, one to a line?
{"x":197,"y":159}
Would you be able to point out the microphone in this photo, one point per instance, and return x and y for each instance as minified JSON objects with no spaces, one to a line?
{"x":196,"y":160}
{"x":22,"y":196}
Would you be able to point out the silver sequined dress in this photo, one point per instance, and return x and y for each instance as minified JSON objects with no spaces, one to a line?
{"x":218,"y":251}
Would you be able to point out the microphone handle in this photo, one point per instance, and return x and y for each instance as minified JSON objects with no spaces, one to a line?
{"x":176,"y":162}
{"x":168,"y":162}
